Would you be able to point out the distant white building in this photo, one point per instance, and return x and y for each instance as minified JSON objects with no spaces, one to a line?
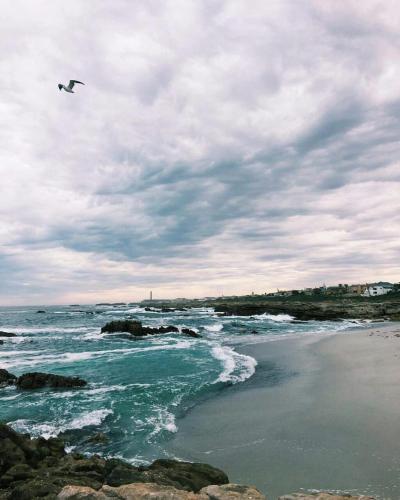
{"x":375,"y":289}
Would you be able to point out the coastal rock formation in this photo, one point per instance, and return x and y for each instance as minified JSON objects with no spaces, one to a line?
{"x":323,"y":310}
{"x":40,"y":468}
{"x":232,"y":492}
{"x":135,"y":491}
{"x":190,"y":333}
{"x":323,"y":496}
{"x":6,"y":378}
{"x":136,"y":329}
{"x":7,"y":334}
{"x":37,"y":380}
{"x":145,"y":491}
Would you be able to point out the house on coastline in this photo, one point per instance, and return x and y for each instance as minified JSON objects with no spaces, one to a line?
{"x":375,"y":289}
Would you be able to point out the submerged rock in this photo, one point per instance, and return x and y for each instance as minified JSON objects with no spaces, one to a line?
{"x":37,"y":380}
{"x":6,"y":378}
{"x":40,"y":312}
{"x":7,"y":334}
{"x":190,"y":333}
{"x":98,"y":438}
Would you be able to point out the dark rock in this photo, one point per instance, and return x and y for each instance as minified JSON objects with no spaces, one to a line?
{"x":6,"y":378}
{"x":129,"y":326}
{"x":190,"y":333}
{"x":1,"y":342}
{"x":39,"y":468}
{"x":185,"y":475}
{"x":165,"y":329}
{"x":332,"y":310}
{"x":40,"y":312}
{"x":119,"y":472}
{"x":7,"y":334}
{"x":136,"y":328}
{"x":37,"y":380}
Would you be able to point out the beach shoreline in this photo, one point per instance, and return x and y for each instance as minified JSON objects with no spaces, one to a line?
{"x":320,"y":413}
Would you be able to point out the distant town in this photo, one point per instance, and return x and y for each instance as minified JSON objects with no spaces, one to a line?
{"x":343,"y":290}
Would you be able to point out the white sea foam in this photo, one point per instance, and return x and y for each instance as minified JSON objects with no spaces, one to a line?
{"x":48,"y":429}
{"x":47,"y":329}
{"x":13,"y":359}
{"x":17,"y":340}
{"x":10,"y":398}
{"x":278,"y":318}
{"x":236,"y":367}
{"x":216,"y":327}
{"x":163,"y":420}
{"x":93,"y":335}
{"x":10,"y":354}
{"x":91,"y":418}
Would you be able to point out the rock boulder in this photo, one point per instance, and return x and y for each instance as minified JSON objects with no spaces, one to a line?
{"x":37,"y":380}
{"x":7,"y":334}
{"x":6,"y":378}
{"x":136,"y":329}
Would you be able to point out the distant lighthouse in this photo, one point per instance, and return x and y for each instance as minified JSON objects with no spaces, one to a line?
{"x":151,"y":295}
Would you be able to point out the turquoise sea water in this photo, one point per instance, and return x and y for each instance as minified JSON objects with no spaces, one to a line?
{"x":138,"y":389}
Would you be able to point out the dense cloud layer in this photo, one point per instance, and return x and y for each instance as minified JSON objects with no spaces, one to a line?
{"x":218,"y":146}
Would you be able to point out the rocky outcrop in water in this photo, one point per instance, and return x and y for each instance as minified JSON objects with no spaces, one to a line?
{"x":6,"y":378}
{"x":190,"y":333}
{"x":324,"y":310}
{"x":40,"y":468}
{"x":38,"y":380}
{"x":7,"y":334}
{"x":136,"y":329}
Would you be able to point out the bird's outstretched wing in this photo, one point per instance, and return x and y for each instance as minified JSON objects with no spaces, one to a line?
{"x":72,"y":83}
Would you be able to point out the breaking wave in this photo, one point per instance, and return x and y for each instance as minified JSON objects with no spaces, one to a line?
{"x":236,"y":367}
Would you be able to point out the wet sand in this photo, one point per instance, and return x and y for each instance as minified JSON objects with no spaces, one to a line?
{"x":320,"y":413}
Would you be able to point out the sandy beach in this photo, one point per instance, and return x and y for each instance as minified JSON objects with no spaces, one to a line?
{"x":319,"y":413}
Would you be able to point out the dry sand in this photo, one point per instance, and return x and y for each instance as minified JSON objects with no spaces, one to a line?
{"x":320,"y":413}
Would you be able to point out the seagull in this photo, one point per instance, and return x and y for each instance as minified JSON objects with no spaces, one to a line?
{"x":70,"y":86}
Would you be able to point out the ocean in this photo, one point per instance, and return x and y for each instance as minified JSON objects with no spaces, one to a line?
{"x":138,"y":389}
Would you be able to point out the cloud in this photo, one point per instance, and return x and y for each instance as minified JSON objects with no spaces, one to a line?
{"x":215,"y":146}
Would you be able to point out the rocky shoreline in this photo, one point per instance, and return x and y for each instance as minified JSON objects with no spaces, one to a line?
{"x":38,"y":468}
{"x":323,"y":310}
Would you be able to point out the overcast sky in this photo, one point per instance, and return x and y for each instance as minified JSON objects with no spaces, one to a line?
{"x":217,"y":147}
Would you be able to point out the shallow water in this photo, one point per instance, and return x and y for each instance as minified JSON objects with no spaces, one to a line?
{"x":137,"y":388}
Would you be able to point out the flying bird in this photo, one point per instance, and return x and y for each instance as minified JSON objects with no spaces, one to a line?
{"x":70,"y":86}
